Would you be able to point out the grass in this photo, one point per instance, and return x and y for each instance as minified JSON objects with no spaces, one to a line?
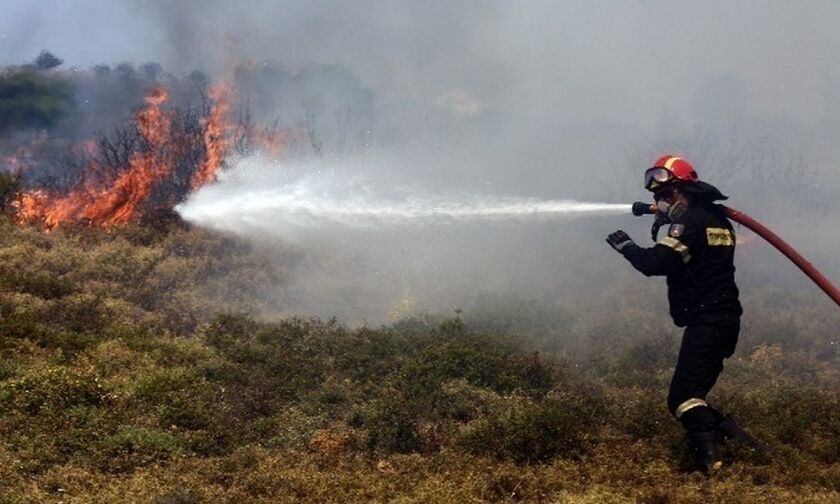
{"x":127,"y":374}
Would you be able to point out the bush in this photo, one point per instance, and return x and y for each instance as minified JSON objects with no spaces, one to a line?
{"x":51,"y":389}
{"x":114,"y":360}
{"x":483,"y":361}
{"x":132,"y":447}
{"x":10,"y":185}
{"x":6,"y":369}
{"x":392,"y":425}
{"x":41,"y":283}
{"x":525,"y":431}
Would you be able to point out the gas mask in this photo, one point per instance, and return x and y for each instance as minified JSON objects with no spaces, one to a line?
{"x":669,"y":203}
{"x":668,"y":209}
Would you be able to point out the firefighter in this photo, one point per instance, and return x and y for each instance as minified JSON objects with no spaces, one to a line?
{"x":696,"y":257}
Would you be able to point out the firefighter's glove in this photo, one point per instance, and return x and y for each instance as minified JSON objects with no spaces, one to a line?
{"x":619,"y":240}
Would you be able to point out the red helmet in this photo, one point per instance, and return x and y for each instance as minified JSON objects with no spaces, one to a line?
{"x":669,"y":169}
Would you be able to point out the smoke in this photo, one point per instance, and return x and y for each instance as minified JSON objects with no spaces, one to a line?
{"x":378,"y":246}
{"x":464,"y":106}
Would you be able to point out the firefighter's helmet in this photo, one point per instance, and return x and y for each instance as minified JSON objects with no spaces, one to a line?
{"x":674,"y":170}
{"x":669,"y":169}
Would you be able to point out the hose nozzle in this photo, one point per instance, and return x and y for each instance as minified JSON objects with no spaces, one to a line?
{"x":641,"y":208}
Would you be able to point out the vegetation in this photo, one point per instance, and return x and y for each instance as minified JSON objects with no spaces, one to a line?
{"x":30,"y":99}
{"x":10,"y":184}
{"x":136,"y":366}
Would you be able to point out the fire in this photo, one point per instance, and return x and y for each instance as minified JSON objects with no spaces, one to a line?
{"x":120,"y":199}
{"x":215,"y":136}
{"x":166,"y":159}
{"x":274,"y":142}
{"x":119,"y":202}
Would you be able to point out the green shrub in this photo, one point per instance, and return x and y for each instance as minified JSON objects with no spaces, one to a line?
{"x":278,"y":357}
{"x":525,"y":431}
{"x":132,"y":447}
{"x":365,"y":356}
{"x":641,"y":413}
{"x":120,"y":354}
{"x":186,"y":412}
{"x":476,"y":359}
{"x":7,"y":370}
{"x":20,"y":326}
{"x":42,"y":283}
{"x":392,"y":425}
{"x":80,"y":313}
{"x":52,"y":389}
{"x":647,"y":363}
{"x":161,"y":383}
{"x":541,"y":325}
{"x":789,"y":414}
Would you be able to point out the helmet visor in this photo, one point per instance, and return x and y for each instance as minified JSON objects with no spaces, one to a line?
{"x":656,"y":176}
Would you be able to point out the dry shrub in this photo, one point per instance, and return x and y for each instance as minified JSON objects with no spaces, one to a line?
{"x":121,"y":380}
{"x":328,"y":445}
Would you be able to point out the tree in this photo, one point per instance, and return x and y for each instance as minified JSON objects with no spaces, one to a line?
{"x":32,"y":100}
{"x":47,"y":61}
{"x":152,"y":71}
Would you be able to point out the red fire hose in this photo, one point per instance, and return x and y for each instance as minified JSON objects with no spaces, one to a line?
{"x":641,"y":208}
{"x":787,"y":250}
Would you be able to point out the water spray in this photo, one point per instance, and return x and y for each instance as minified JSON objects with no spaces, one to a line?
{"x":322,"y":199}
{"x":640,"y":208}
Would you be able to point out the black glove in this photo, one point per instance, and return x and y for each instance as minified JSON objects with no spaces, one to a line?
{"x":619,"y":240}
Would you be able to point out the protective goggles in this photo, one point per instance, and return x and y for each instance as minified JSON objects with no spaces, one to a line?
{"x":656,"y":176}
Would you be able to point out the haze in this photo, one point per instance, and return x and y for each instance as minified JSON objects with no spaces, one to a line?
{"x":543,"y":99}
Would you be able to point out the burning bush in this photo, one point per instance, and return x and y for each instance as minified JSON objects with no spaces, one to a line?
{"x":120,"y":175}
{"x":181,"y":134}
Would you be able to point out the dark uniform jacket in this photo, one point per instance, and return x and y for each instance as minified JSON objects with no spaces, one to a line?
{"x":696,"y":256}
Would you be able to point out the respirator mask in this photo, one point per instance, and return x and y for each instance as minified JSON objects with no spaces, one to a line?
{"x":668,"y":209}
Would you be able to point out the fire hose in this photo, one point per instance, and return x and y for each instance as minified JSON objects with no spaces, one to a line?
{"x":774,"y":239}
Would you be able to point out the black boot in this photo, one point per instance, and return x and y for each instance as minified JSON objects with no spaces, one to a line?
{"x":706,"y":447}
{"x":732,"y":430}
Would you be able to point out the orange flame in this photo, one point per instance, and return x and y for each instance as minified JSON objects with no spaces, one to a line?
{"x":121,"y":199}
{"x":215,"y":136}
{"x":120,"y":202}
{"x":272,"y":143}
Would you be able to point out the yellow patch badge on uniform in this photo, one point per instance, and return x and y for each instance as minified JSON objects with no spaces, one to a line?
{"x":720,"y":237}
{"x":676,"y":230}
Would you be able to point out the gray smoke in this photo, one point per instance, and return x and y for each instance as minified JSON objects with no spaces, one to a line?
{"x":539,"y":99}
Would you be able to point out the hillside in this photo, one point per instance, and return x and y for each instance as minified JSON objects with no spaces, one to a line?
{"x":139,"y":365}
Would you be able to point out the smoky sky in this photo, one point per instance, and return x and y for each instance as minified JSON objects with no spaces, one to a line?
{"x":618,"y":61}
{"x":518,"y":92}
